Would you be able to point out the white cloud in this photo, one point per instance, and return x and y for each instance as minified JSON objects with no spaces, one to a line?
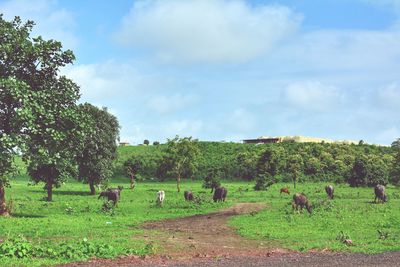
{"x":183,"y":128}
{"x":313,"y":95}
{"x":206,"y":30}
{"x":51,"y":22}
{"x":242,"y":120}
{"x":101,"y":81}
{"x":169,"y":104}
{"x":389,"y":96}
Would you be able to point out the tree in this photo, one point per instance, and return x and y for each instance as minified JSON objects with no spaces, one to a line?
{"x":132,"y":166}
{"x":95,"y":159}
{"x":368,"y":170}
{"x":156,"y":143}
{"x":212,"y":179}
{"x":146,"y":142}
{"x":269,"y":164}
{"x":295,"y":167}
{"x":180,"y":157}
{"x":31,"y":91}
{"x":246,"y":165}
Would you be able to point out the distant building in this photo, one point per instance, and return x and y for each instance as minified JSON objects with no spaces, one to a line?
{"x":123,"y":144}
{"x":293,"y":139}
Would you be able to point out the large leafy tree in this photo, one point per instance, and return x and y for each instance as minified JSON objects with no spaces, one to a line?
{"x":181,"y":157}
{"x":38,"y":105}
{"x":95,"y":159}
{"x":368,"y":170}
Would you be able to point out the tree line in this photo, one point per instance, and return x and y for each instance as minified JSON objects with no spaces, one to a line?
{"x":41,"y":120}
{"x":357,"y":165}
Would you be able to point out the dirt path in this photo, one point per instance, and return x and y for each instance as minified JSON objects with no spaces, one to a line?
{"x":207,"y":240}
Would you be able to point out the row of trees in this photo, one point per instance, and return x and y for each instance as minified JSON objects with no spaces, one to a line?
{"x":41,"y":120}
{"x":358,"y":165}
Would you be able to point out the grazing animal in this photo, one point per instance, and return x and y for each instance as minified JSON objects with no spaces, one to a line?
{"x":112,"y":194}
{"x":380,"y":193}
{"x":220,"y":194}
{"x":329,"y":191}
{"x":285,"y":190}
{"x":160,"y":197}
{"x":188,"y":195}
{"x":300,"y":200}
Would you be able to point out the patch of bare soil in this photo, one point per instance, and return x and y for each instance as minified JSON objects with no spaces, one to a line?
{"x":207,"y":240}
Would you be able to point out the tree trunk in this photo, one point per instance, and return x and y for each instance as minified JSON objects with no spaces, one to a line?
{"x":294,"y":182}
{"x":92,"y":188}
{"x":3,"y":205}
{"x":132,"y":176}
{"x":178,"y":182}
{"x":49,"y":186}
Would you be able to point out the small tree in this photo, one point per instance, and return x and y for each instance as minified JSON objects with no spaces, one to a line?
{"x":156,"y":143}
{"x":295,"y":167}
{"x":146,"y":142}
{"x":269,"y":164}
{"x":131,"y":167}
{"x":95,"y":158}
{"x":180,"y":157}
{"x":212,"y":179}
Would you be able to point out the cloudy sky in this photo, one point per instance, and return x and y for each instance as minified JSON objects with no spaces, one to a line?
{"x":230,"y":70}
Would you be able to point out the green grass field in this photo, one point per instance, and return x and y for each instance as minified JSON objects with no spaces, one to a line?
{"x":74,"y":216}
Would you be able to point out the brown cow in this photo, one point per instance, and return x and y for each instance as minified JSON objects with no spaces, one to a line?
{"x":300,"y":200}
{"x":285,"y":190}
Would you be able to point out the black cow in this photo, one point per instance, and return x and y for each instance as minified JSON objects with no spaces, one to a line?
{"x":380,"y":193}
{"x":220,"y":194}
{"x":112,"y":194}
{"x":188,"y":195}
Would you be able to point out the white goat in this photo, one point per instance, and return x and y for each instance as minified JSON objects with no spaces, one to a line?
{"x":160,"y":197}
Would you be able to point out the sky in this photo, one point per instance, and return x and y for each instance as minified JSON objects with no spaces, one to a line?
{"x":232,"y":70}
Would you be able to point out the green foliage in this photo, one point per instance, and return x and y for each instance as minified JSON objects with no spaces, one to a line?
{"x":131,"y":167}
{"x":395,"y":165}
{"x":264,"y":181}
{"x":319,"y":162}
{"x":368,"y":171}
{"x":212,"y":179}
{"x":180,"y":157}
{"x":99,"y":149}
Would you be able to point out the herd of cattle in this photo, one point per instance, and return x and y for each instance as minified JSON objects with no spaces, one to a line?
{"x":299,"y":202}
{"x":114,"y":194}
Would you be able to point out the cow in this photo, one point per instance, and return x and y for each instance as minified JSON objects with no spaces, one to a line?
{"x":285,"y":190}
{"x":380,"y":194}
{"x":188,"y":195}
{"x":112,"y":194}
{"x":329,"y":191}
{"x":220,"y":194}
{"x":300,"y":200}
{"x":160,"y":197}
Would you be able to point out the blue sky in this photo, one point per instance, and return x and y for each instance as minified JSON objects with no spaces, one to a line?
{"x":231,"y":70}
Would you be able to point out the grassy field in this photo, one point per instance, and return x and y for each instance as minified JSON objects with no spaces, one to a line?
{"x":75,"y":227}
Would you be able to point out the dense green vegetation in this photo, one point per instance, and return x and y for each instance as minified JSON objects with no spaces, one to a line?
{"x":307,"y":162}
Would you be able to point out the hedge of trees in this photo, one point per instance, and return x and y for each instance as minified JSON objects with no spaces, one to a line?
{"x":358,"y":165}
